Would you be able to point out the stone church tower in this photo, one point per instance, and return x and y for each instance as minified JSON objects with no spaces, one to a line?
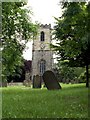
{"x":42,"y":55}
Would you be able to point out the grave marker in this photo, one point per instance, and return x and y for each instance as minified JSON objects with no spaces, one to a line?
{"x":36,"y":81}
{"x":50,"y":81}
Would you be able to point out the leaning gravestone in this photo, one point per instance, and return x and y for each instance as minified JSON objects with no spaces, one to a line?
{"x":50,"y":81}
{"x":37,"y":81}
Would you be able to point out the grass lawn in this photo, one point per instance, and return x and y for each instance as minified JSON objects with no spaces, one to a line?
{"x":24,"y":102}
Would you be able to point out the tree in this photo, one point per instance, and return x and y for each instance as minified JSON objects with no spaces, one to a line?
{"x":72,"y":33}
{"x":17,"y":29}
{"x":68,"y":74}
{"x":20,"y":71}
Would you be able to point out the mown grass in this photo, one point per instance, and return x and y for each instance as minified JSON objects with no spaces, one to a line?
{"x":24,"y":102}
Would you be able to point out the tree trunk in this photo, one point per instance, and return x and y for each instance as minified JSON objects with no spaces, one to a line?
{"x":87,"y":76}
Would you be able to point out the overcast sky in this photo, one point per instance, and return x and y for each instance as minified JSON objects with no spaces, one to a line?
{"x":44,"y":12}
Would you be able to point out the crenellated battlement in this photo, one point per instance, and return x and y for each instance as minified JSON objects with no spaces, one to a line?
{"x":46,"y":26}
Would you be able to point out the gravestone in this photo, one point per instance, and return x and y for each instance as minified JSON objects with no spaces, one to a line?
{"x":27,"y":76}
{"x":67,"y":81}
{"x":27,"y":81}
{"x":36,"y":81}
{"x":50,"y":81}
{"x":3,"y":84}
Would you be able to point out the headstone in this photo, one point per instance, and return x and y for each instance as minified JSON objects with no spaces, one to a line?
{"x":63,"y":81}
{"x":50,"y":81}
{"x":67,"y":81}
{"x":72,"y":81}
{"x":3,"y":84}
{"x":27,"y":76}
{"x":36,"y":81}
{"x":27,"y":83}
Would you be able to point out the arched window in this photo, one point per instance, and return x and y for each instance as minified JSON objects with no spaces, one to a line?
{"x":42,"y":66}
{"x":42,"y":36}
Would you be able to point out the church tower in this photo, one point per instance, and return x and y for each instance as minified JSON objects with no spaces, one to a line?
{"x":42,"y":55}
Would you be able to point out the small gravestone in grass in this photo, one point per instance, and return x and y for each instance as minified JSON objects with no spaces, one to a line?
{"x":36,"y":81}
{"x":27,"y":81}
{"x":3,"y":83}
{"x":50,"y":81}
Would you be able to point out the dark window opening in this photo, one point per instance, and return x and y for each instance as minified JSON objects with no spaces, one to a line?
{"x":42,"y":36}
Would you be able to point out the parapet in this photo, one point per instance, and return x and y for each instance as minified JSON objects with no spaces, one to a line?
{"x":46,"y":26}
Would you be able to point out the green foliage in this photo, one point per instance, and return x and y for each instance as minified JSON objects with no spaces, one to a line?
{"x":71,"y":30}
{"x":72,"y":34}
{"x":67,"y":74}
{"x":70,"y":102}
{"x":17,"y":29}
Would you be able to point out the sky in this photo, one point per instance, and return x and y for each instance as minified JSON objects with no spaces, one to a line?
{"x":44,"y":12}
